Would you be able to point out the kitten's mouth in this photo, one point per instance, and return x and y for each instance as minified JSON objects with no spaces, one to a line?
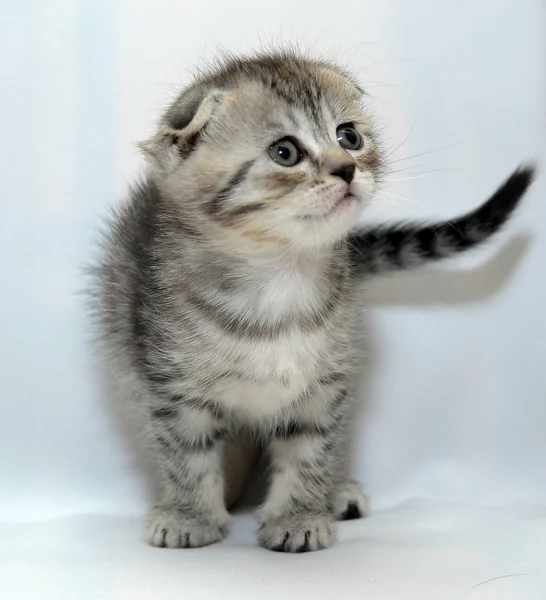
{"x":345,"y":202}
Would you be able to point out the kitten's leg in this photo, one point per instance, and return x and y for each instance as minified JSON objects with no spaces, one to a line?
{"x":308,"y":461}
{"x":188,"y":445}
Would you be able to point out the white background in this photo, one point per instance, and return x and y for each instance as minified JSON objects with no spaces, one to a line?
{"x":454,"y":405}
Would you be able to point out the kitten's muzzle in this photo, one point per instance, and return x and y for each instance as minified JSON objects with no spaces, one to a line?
{"x":343,"y":197}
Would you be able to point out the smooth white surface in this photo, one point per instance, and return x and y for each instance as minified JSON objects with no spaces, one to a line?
{"x":418,"y":551}
{"x":454,"y":404}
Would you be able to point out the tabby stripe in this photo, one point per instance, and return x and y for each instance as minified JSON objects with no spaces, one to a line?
{"x":238,"y":325}
{"x":339,"y":399}
{"x":216,"y":204}
{"x":313,"y":477}
{"x":243,"y":210}
{"x":203,"y":444}
{"x":295,"y":429}
{"x":200,"y":404}
{"x":187,"y":484}
{"x":164,"y":413}
{"x":332,"y":378}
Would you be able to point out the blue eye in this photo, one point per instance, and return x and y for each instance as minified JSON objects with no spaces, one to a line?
{"x":348,"y":137}
{"x":286,"y":152}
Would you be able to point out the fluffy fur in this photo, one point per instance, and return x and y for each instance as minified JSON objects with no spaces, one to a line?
{"x":227,"y":295}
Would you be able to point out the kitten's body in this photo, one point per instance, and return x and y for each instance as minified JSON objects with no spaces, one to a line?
{"x":229,"y":294}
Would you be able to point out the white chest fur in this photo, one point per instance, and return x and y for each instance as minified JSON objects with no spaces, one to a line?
{"x":276,"y":371}
{"x":275,"y":374}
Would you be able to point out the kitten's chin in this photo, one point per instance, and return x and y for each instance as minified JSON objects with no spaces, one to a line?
{"x":326,"y":229}
{"x":342,"y":206}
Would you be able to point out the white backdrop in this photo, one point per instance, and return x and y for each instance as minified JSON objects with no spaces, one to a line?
{"x":455,"y":400}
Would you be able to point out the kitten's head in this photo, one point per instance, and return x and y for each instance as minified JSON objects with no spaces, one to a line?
{"x":272,"y":149}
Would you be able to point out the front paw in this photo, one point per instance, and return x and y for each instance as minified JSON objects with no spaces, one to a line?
{"x":297,"y":532}
{"x":350,"y":502}
{"x":171,"y":527}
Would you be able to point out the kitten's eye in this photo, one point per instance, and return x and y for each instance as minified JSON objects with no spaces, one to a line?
{"x":286,"y":152}
{"x":349,"y":138}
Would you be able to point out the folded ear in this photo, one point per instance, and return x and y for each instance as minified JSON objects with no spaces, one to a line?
{"x":181,"y":126}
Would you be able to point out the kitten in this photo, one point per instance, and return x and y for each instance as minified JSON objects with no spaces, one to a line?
{"x":228,"y":293}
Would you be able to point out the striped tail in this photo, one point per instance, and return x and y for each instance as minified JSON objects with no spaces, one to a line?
{"x":403,"y":246}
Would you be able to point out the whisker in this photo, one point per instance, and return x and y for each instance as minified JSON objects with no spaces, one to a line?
{"x":394,"y":197}
{"x":424,"y":153}
{"x":407,"y":168}
{"x":402,"y":143}
{"x":390,"y":197}
{"x":422,"y":174}
{"x":450,"y":222}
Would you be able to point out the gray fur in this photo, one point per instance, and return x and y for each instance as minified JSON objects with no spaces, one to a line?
{"x":227,"y":296}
